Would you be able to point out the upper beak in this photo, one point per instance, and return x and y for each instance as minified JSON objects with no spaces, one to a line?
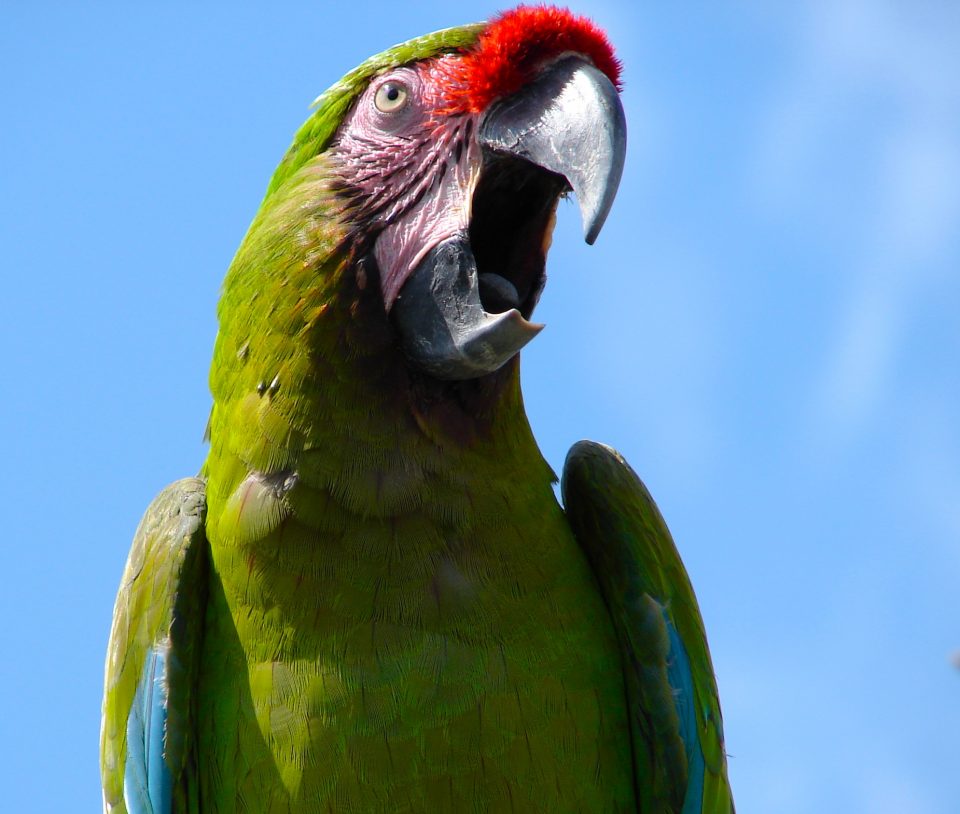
{"x":569,"y":122}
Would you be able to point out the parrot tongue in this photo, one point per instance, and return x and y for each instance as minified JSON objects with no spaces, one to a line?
{"x":497,"y":294}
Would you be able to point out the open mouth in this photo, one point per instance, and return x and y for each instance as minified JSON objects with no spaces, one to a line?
{"x":464,"y":309}
{"x":512,"y":216}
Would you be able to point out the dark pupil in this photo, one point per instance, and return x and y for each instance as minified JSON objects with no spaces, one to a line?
{"x":393,"y":93}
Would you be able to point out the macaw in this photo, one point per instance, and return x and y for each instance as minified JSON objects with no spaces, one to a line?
{"x":370,"y":598}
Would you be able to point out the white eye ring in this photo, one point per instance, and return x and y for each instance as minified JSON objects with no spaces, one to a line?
{"x":391,"y":96}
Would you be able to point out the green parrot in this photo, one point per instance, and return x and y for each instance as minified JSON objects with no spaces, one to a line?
{"x":370,"y":599}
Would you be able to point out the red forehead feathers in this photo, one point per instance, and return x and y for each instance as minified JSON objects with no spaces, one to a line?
{"x":517,"y":42}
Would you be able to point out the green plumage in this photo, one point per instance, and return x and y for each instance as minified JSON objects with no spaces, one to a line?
{"x":410,"y":624}
{"x":646,"y":587}
{"x":162,"y":598}
{"x":389,"y":610}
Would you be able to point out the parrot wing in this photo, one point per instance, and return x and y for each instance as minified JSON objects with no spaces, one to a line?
{"x":146,"y":739}
{"x":675,"y":720}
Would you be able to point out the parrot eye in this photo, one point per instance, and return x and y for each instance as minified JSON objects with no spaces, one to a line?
{"x":391,"y":97}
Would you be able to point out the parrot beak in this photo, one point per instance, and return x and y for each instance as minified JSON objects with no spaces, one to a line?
{"x":463,"y":311}
{"x":569,"y":121}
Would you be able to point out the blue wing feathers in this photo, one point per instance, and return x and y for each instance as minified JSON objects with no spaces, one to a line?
{"x":680,"y":677}
{"x":148,"y":782}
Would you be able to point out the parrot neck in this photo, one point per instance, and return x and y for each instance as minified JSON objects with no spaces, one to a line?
{"x":309,"y":382}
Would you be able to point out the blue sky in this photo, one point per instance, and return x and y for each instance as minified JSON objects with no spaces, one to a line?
{"x":767,"y":329}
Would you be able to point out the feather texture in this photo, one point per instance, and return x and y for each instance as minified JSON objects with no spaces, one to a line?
{"x":675,"y":710}
{"x":147,"y":781}
{"x":147,"y":738}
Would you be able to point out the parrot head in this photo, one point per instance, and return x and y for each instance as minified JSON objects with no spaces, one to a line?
{"x":449,"y":155}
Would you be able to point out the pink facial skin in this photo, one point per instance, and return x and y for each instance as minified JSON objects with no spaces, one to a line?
{"x":411,"y":164}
